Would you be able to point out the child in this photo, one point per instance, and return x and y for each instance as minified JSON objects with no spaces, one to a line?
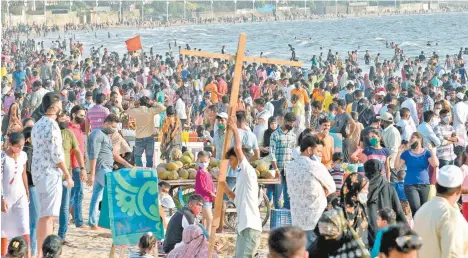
{"x":14,"y":202}
{"x":337,"y":172}
{"x":204,"y":186}
{"x":146,"y":245}
{"x":385,"y":218}
{"x":52,"y":247}
{"x":165,"y":201}
{"x":399,"y":185}
{"x":409,"y":216}
{"x":376,"y":151}
{"x":18,"y":248}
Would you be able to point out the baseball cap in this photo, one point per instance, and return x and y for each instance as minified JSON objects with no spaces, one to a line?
{"x":460,"y":95}
{"x":386,"y":117}
{"x":450,"y":176}
{"x":222,"y":115}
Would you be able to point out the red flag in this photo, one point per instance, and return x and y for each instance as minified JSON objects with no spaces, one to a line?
{"x":133,"y":44}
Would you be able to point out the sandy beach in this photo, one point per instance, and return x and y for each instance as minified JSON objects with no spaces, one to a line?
{"x":96,"y":244}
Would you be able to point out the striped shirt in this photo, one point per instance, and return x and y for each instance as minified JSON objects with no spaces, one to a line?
{"x":96,"y":116}
{"x":446,"y":150}
{"x":337,"y":175}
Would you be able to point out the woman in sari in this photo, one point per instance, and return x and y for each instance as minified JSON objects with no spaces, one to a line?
{"x":171,"y":133}
{"x":194,"y":244}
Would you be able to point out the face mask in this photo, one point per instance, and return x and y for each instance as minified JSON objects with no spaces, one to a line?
{"x":446,"y":119}
{"x":414,"y":145}
{"x":288,"y":127}
{"x":62,"y":125}
{"x":221,"y":127}
{"x":109,"y":130}
{"x":316,"y":158}
{"x":337,"y":166}
{"x":79,"y":120}
{"x":89,"y":101}
{"x":374,"y":141}
{"x":437,"y":111}
{"x":362,"y":198}
{"x":15,"y":149}
{"x":203,"y":164}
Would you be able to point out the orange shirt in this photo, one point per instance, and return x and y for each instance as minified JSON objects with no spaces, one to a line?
{"x":327,"y":151}
{"x":302,"y":94}
{"x":213,"y":90}
{"x":316,"y":96}
{"x":222,"y":89}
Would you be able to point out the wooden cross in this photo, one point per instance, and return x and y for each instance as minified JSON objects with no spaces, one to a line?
{"x":239,"y":58}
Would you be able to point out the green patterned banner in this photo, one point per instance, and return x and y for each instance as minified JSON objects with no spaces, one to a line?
{"x":132,"y":200}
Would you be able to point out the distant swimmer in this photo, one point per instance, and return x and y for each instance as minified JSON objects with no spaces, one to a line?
{"x":386,"y":44}
{"x":175,"y":42}
{"x":261,"y":54}
{"x":187,"y":46}
{"x":108,"y":34}
{"x":223,"y":50}
{"x":428,"y":44}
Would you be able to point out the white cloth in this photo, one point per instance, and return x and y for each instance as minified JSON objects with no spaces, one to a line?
{"x":442,"y":228}
{"x":459,"y":120}
{"x":15,"y":222}
{"x":47,"y":149}
{"x":270,"y":108}
{"x":180,"y":109}
{"x":246,"y":201}
{"x":306,"y":180}
{"x":407,"y":127}
{"x":392,"y":140}
{"x":411,"y":105}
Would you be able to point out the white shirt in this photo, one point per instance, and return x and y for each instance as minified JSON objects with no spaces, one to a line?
{"x":246,"y":201}
{"x":411,"y":105}
{"x":407,"y":128}
{"x":306,"y":179}
{"x":270,"y":108}
{"x":180,"y":109}
{"x":47,"y":149}
{"x":392,"y":140}
{"x":287,"y":93}
{"x":460,"y":117}
{"x":443,"y":229}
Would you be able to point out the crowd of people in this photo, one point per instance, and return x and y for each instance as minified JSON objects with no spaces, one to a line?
{"x":370,"y":163}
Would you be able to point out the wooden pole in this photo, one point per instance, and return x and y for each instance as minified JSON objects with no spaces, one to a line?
{"x":227,"y":140}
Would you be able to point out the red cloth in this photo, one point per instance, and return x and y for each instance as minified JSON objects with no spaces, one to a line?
{"x":204,"y":185}
{"x":465,"y":210}
{"x":80,"y":137}
{"x":255,"y":92}
{"x":133,"y":44}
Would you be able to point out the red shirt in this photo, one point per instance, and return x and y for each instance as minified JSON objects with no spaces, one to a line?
{"x":222,"y":89}
{"x":76,"y":129}
{"x":255,"y":92}
{"x":204,"y":185}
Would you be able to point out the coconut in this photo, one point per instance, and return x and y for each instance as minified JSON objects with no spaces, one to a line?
{"x":190,"y":154}
{"x":173,"y":175}
{"x":176,"y":154}
{"x":172,"y":166}
{"x":184,"y":174}
{"x":186,"y":159}
{"x":192,"y":173}
{"x":178,"y":163}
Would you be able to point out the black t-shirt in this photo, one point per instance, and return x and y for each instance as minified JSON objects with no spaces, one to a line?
{"x":278,"y":104}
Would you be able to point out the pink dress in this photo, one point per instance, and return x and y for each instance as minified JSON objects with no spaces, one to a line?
{"x":204,"y":185}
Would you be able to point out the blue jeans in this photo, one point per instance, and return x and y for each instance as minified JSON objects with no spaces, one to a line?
{"x":98,"y":190}
{"x":284,"y":186}
{"x":76,"y":198}
{"x":311,"y":237}
{"x":33,"y":218}
{"x":64,"y":212}
{"x":144,"y":145}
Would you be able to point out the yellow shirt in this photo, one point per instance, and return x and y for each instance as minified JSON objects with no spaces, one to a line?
{"x":298,"y":108}
{"x":144,"y":119}
{"x":327,"y":101}
{"x":3,"y":72}
{"x":443,"y":229}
